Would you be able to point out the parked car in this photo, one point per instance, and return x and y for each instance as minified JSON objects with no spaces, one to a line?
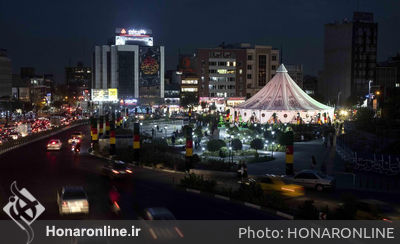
{"x":312,"y":179}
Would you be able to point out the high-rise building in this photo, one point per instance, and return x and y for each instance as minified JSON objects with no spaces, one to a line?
{"x":78,"y":75}
{"x":235,"y":70}
{"x":5,"y":74}
{"x":132,"y":65}
{"x":349,"y":58}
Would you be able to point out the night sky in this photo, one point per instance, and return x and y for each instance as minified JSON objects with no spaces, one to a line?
{"x":48,"y":34}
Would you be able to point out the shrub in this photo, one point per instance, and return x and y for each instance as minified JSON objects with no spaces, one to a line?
{"x":250,"y":193}
{"x":218,"y":165}
{"x":257,"y":144}
{"x":237,"y":144}
{"x":215,"y":145}
{"x":198,"y":182}
{"x":233,"y":130}
{"x":223,"y":152}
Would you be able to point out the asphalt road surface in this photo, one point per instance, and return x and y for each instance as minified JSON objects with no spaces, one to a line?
{"x":42,"y":173}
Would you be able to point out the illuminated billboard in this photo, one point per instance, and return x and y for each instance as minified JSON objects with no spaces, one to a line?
{"x":149,"y":66}
{"x":140,"y":37}
{"x":105,"y":95}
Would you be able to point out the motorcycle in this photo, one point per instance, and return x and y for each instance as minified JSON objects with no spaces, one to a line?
{"x":75,"y":149}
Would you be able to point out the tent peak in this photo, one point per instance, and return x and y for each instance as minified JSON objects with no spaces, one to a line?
{"x":282,"y":69}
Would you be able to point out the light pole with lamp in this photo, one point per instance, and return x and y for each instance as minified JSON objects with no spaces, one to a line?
{"x":369,"y":91}
{"x":273,"y":145}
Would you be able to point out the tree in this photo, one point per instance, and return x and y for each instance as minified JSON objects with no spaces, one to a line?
{"x":199,"y":132}
{"x":215,"y":145}
{"x":257,"y":144}
{"x":364,"y":119}
{"x":237,"y":144}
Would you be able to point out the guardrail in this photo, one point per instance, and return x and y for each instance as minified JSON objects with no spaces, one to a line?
{"x":8,"y":146}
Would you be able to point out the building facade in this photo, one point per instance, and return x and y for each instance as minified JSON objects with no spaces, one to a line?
{"x":388,"y":76}
{"x":261,"y":65}
{"x":235,"y":70}
{"x":5,"y":74}
{"x":349,"y":57}
{"x":132,"y":66}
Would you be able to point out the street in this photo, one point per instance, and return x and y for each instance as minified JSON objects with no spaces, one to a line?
{"x":42,"y":173}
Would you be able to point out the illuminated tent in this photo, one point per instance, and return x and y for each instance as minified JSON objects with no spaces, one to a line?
{"x":282,"y":100}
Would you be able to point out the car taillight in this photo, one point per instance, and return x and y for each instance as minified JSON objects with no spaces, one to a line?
{"x":64,"y":203}
{"x":85,"y":203}
{"x":129,"y":171}
{"x":178,"y":231}
{"x":115,"y":172}
{"x":53,"y":142}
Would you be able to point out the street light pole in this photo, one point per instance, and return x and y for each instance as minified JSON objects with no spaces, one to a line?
{"x":369,"y":91}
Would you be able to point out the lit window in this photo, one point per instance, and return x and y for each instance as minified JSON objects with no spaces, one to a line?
{"x":189,"y":82}
{"x":222,"y":71}
{"x":397,"y":84}
{"x":189,"y":89}
{"x":234,"y":63}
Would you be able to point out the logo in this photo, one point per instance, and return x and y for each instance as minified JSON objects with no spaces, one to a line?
{"x":123,"y":31}
{"x":24,"y":209}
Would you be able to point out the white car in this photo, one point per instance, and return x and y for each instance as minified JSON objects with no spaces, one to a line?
{"x":313,"y":179}
{"x":72,"y":200}
{"x":54,"y":144}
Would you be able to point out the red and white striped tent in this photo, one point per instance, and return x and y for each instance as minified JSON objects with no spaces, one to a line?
{"x":282,"y":100}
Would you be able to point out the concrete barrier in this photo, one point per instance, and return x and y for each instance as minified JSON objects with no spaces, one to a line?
{"x":213,"y":173}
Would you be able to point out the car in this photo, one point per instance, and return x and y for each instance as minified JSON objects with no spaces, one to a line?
{"x":270,"y":183}
{"x":72,"y":200}
{"x":158,"y":213}
{"x":313,"y":179}
{"x":54,"y":144}
{"x":117,"y":169}
{"x":166,"y":226}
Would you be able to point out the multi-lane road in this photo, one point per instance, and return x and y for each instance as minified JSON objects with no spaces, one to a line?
{"x":42,"y":173}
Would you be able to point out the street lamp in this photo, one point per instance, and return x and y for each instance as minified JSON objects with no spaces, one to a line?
{"x":273,"y":145}
{"x":369,"y":90}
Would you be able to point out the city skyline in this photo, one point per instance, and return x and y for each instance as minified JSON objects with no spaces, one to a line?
{"x":33,"y":40}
